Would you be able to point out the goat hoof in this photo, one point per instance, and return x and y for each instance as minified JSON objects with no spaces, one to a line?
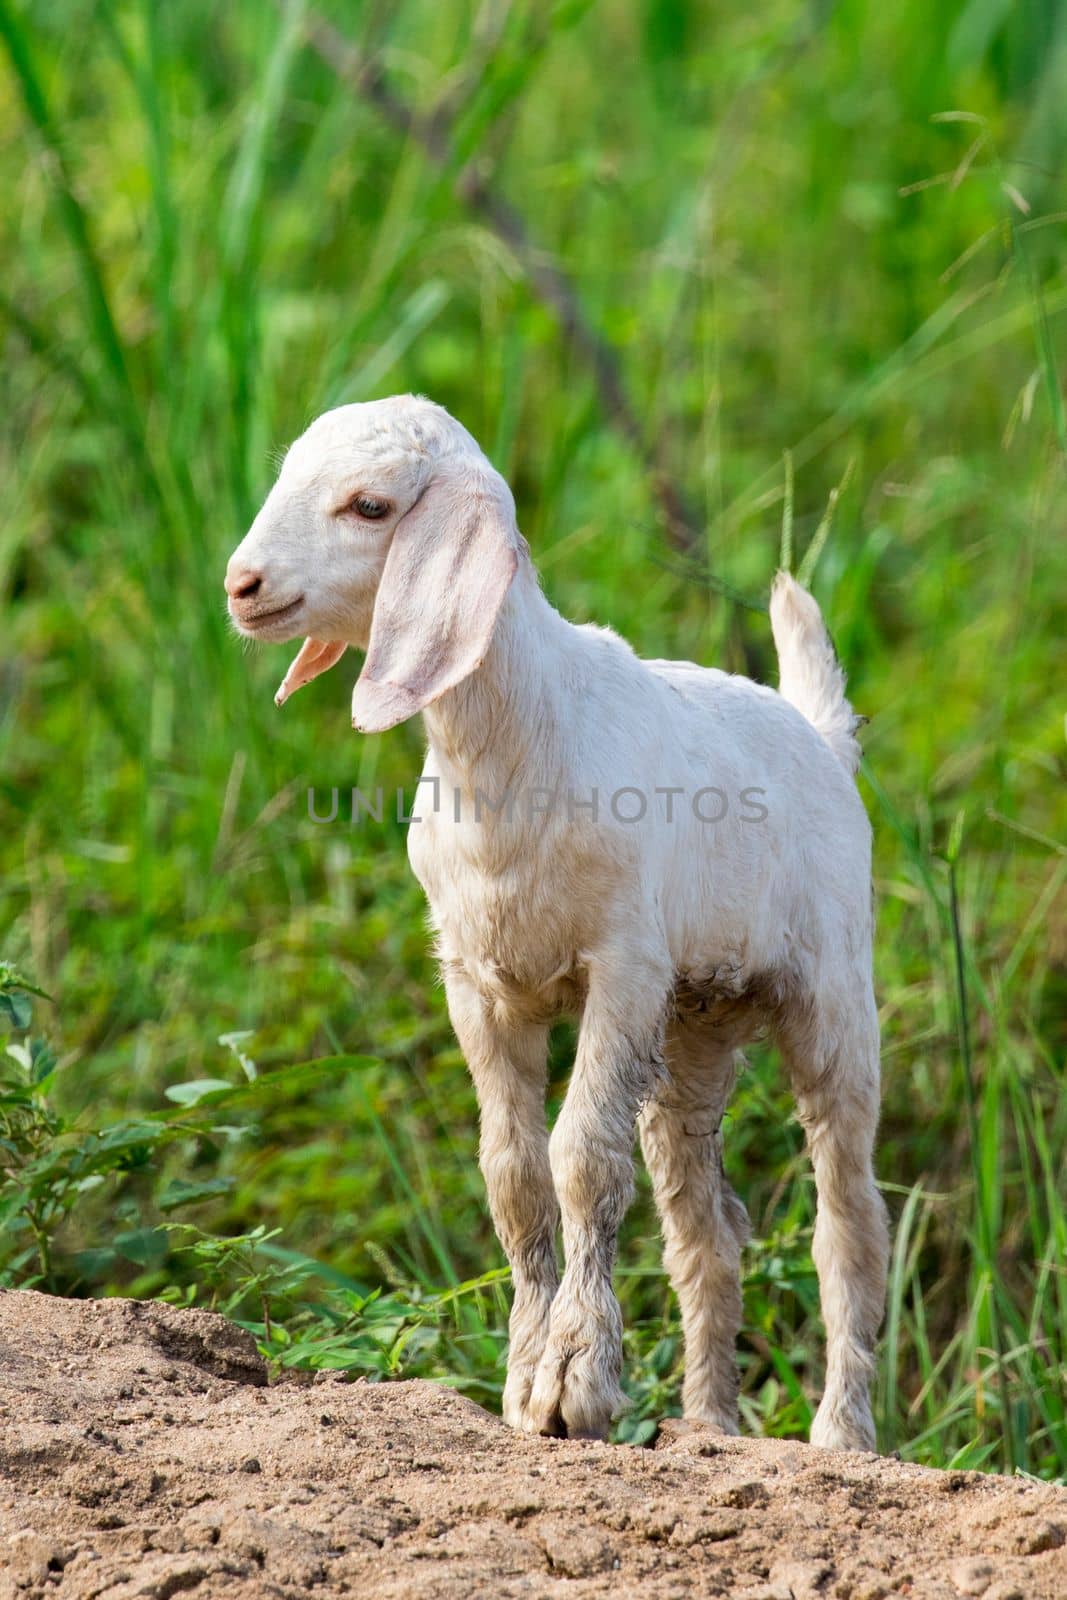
{"x":839,"y":1429}
{"x":516,"y":1402}
{"x":553,"y":1426}
{"x":566,"y":1403}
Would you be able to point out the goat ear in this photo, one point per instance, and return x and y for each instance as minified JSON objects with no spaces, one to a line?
{"x":449,"y":567}
{"x":313,"y":657}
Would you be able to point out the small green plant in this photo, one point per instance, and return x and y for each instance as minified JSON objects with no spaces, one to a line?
{"x":304,"y":1315}
{"x":312,"y":1318}
{"x":236,"y":1268}
{"x":51,"y":1162}
{"x":47,"y":1162}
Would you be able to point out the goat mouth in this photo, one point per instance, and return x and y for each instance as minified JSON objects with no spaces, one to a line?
{"x":268,"y":621}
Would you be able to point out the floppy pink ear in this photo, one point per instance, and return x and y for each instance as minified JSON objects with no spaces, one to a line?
{"x":449,"y":567}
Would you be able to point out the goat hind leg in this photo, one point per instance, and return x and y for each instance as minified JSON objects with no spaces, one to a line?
{"x":833,"y":1055}
{"x":704,"y":1223}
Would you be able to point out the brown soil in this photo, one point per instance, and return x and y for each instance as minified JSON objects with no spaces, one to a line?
{"x":142,"y":1454}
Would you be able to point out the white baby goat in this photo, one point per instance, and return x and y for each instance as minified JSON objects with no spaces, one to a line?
{"x":677,"y":856}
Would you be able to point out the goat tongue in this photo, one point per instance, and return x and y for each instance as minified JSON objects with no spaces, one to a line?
{"x":313,"y":657}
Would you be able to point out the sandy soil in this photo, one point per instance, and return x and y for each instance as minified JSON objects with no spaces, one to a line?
{"x":143,"y":1455}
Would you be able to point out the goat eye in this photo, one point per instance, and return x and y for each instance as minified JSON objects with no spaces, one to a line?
{"x":368,"y":506}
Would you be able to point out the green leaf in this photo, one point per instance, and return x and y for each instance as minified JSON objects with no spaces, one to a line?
{"x":44,"y":1061}
{"x":145,"y":1246}
{"x":94,"y":1264}
{"x":17,"y":1007}
{"x":180,"y":1192}
{"x":637,"y":1430}
{"x":191,"y":1094}
{"x":125,"y":1136}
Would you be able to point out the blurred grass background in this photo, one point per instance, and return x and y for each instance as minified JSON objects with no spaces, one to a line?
{"x":689,"y":273}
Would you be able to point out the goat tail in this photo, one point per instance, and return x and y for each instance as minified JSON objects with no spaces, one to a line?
{"x":810,"y":676}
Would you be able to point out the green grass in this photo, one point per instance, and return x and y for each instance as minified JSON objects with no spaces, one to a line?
{"x":813,"y":277}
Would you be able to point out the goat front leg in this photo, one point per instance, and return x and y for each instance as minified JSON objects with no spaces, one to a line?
{"x":508,"y":1065}
{"x":618,"y":1067}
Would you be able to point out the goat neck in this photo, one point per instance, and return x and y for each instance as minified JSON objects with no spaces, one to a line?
{"x":500,"y":730}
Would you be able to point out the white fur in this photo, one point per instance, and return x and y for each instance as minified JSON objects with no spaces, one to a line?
{"x":675,"y":939}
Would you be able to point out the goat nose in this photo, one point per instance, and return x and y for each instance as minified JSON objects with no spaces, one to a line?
{"x":243,"y":584}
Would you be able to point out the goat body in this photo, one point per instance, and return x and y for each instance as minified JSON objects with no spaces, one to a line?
{"x":678,"y":856}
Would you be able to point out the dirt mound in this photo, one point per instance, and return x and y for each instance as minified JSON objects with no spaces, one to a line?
{"x":142,"y":1455}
